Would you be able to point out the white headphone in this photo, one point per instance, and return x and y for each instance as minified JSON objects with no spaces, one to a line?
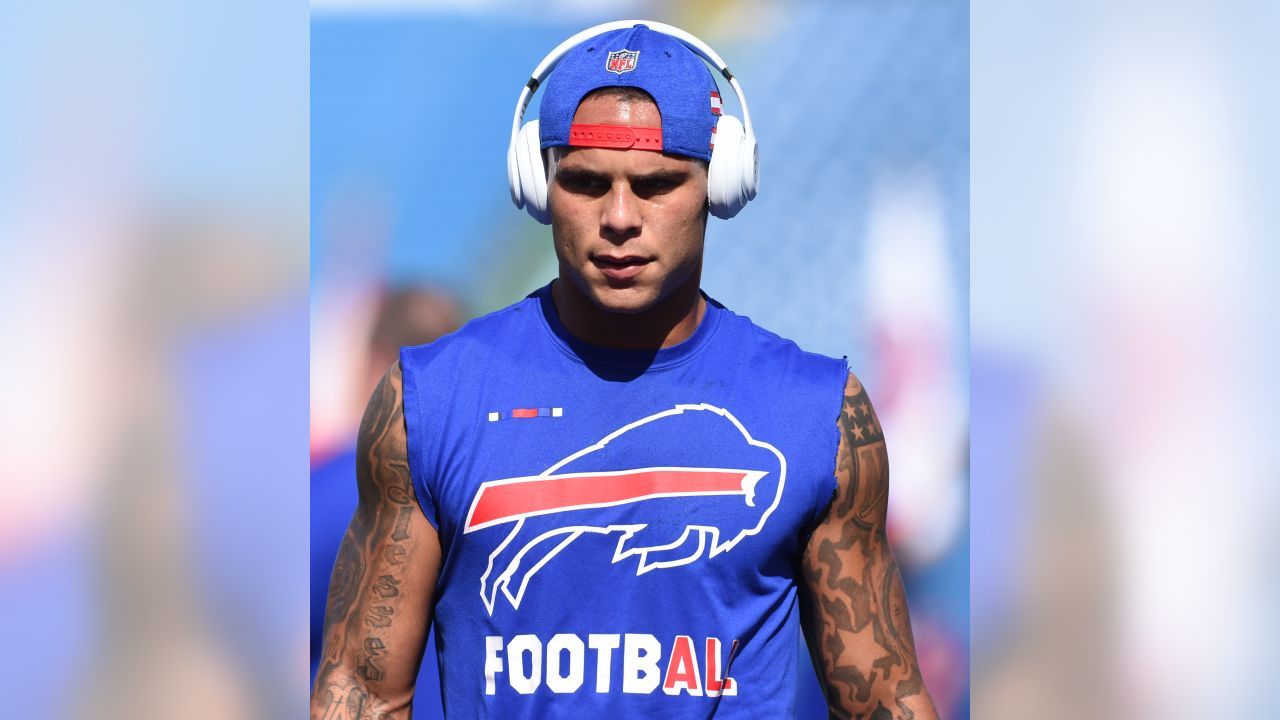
{"x":734,"y":173}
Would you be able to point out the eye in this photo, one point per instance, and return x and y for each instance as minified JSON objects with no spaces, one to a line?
{"x":654,"y":186}
{"x":582,"y":184}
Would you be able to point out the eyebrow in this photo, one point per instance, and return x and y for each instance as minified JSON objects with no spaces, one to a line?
{"x":672,"y":175}
{"x":571,"y":173}
{"x":664,"y":174}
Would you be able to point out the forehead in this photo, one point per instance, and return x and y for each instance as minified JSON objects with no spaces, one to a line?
{"x":605,"y":109}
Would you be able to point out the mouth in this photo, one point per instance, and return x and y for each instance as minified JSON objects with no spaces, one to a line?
{"x":619,"y":267}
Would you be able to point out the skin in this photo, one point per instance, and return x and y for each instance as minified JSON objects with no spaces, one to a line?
{"x":652,"y":207}
{"x":383,"y":586}
{"x":628,"y":203}
{"x":853,"y":607}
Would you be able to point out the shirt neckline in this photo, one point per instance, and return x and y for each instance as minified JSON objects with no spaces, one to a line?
{"x":619,"y":358}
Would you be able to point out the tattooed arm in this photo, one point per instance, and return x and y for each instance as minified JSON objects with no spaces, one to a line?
{"x":854,"y":611}
{"x":380,"y":598}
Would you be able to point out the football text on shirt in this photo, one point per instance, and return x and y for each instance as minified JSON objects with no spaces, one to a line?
{"x":561,"y":663}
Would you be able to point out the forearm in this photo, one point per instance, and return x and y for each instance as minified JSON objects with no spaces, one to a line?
{"x":373,"y":637}
{"x":859,"y":632}
{"x":887,"y":709}
{"x":366,"y":672}
{"x":344,"y":695}
{"x":908,"y":700}
{"x":867,"y":670}
{"x":919,"y":707}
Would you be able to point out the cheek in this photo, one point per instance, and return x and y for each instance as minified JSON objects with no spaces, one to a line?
{"x":570,"y":224}
{"x":684,"y":221}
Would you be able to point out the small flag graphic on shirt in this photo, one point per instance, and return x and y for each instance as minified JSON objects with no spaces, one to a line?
{"x":520,"y":413}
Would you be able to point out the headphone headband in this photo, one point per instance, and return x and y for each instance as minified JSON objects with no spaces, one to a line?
{"x":553,"y":58}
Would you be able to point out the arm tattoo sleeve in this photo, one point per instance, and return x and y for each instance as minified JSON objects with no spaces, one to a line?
{"x":363,"y":671}
{"x":855,"y":611}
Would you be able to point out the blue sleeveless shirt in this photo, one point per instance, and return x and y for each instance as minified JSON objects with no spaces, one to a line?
{"x":621,"y":530}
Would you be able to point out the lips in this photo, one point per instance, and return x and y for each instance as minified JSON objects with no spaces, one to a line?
{"x":621,"y":267}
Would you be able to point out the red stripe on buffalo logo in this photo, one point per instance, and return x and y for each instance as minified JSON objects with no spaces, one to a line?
{"x":508,"y":500}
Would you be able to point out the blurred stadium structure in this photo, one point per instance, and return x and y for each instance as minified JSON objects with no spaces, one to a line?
{"x":857,"y":244}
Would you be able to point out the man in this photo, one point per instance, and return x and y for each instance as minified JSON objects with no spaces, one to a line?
{"x":617,"y":498}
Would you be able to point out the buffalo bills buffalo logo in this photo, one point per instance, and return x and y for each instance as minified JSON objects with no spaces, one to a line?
{"x":666,"y":515}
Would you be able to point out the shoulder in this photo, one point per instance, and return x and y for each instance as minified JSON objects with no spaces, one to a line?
{"x":381,"y":442}
{"x":858,"y":422}
{"x":384,"y":409}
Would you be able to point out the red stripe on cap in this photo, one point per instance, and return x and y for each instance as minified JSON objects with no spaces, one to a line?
{"x":505,"y":501}
{"x":619,"y":137}
{"x":524,"y":413}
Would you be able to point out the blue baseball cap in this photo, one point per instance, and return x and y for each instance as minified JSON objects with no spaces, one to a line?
{"x":679,"y":82}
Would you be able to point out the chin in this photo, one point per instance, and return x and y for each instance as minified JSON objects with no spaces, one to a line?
{"x":626,"y":300}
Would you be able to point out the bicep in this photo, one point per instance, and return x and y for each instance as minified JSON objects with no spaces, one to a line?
{"x":855,"y":615}
{"x":380,"y":596}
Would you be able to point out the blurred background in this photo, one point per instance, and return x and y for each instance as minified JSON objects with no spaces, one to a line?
{"x":153,"y":355}
{"x":857,"y":244}
{"x":1124,"y":347}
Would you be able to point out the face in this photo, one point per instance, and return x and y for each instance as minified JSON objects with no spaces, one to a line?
{"x":628,"y":224}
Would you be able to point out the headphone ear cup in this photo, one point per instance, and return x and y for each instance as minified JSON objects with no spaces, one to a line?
{"x":532,"y":173}
{"x":750,"y":164}
{"x":726,"y":191}
{"x":513,"y":173}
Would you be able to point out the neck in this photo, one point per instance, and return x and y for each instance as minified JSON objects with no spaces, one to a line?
{"x":668,"y":322}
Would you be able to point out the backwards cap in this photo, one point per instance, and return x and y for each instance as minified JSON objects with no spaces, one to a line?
{"x":679,"y":82}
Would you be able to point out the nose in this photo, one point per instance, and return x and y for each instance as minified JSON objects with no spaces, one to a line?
{"x":620,"y":218}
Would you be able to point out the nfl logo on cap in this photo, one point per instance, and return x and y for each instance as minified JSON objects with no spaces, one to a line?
{"x":622,"y":61}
